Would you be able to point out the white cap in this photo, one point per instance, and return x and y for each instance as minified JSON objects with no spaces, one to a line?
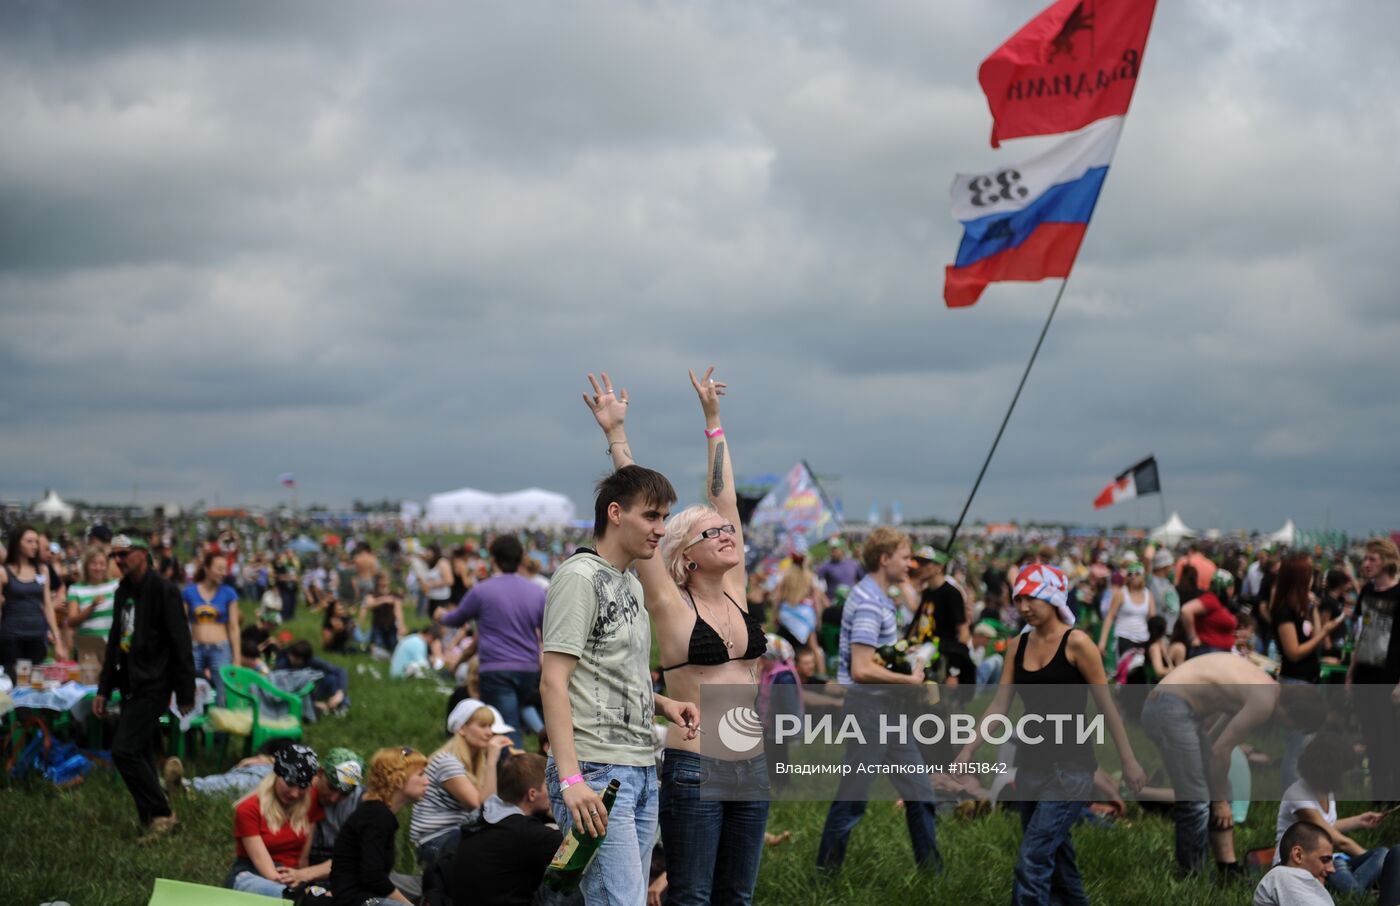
{"x":468,"y":707}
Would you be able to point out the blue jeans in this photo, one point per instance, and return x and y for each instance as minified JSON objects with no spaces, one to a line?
{"x":1297,"y":740}
{"x":432,"y":849}
{"x":289,"y":600}
{"x":237,"y":782}
{"x":212,"y":656}
{"x":1176,"y":731}
{"x":511,"y":692}
{"x":620,"y":868}
{"x":989,"y":671}
{"x":1052,"y":801}
{"x":1378,"y":866}
{"x":712,"y":847}
{"x":244,"y":877}
{"x":854,"y":792}
{"x":386,"y":638}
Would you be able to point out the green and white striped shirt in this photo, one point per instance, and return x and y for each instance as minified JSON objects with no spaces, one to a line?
{"x":100,"y":622}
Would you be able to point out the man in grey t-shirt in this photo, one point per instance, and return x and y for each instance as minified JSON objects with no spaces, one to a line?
{"x":596,"y":678}
{"x":1305,"y":854}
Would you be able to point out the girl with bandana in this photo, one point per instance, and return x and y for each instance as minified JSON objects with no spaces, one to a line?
{"x":1054,"y":783}
{"x":273,"y":826}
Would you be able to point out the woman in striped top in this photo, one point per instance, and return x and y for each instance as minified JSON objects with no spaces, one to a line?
{"x":91,"y":603}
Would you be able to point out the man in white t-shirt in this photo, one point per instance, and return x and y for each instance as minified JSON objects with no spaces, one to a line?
{"x":1299,"y":879}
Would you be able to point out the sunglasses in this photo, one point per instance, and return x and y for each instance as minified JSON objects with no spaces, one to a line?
{"x":727,"y":528}
{"x":406,"y":751}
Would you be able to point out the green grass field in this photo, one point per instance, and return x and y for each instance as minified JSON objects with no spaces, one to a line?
{"x":80,"y":845}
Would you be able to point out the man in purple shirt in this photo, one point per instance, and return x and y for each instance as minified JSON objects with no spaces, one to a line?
{"x":839,"y":570}
{"x":509,"y":611}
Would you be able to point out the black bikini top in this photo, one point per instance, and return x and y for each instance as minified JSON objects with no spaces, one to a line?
{"x":707,"y":649}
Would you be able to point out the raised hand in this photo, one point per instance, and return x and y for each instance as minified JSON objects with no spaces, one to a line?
{"x":709,"y":390}
{"x":609,"y":408}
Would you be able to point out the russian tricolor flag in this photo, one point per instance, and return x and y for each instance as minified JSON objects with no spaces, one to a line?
{"x":1025,"y":222}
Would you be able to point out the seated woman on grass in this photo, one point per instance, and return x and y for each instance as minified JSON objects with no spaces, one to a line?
{"x":273,"y":826}
{"x":1312,"y":798}
{"x":461,"y":776}
{"x":364,"y":850}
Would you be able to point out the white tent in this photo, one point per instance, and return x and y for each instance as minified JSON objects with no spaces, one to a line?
{"x":1171,"y":531}
{"x":533,"y":508}
{"x":465,"y":506}
{"x":1286,"y":535}
{"x":53,"y":507}
{"x":530,"y":508}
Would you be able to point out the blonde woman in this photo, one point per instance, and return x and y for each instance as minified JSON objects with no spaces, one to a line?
{"x":362,"y":866}
{"x":273,"y":825}
{"x":800,"y":603}
{"x":461,"y":775}
{"x":90,"y":603}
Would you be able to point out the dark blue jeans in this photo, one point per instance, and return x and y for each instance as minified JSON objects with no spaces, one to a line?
{"x":1297,"y":740}
{"x":1176,"y":731}
{"x":1052,"y":801}
{"x":289,"y":600}
{"x":712,"y":847}
{"x":1378,"y":867}
{"x":854,"y":793}
{"x":511,"y":692}
{"x":384,"y":638}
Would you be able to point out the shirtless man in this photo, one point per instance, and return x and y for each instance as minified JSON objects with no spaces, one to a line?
{"x":1196,"y":716}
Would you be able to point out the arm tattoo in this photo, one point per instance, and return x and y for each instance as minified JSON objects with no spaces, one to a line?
{"x":717,"y":475}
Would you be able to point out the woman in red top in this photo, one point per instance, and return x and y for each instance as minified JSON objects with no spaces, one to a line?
{"x":274,"y":824}
{"x":1210,"y":624}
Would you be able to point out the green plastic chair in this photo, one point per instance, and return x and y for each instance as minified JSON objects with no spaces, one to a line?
{"x":199,"y":727}
{"x":239,"y":683}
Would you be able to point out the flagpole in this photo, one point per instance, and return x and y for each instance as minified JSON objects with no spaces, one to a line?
{"x":1009,"y":409}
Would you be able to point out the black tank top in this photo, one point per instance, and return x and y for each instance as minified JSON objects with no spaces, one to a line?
{"x":459,"y":588}
{"x":707,"y":649}
{"x":1056,"y":688}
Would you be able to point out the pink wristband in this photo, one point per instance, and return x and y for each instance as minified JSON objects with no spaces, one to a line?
{"x":718,"y":432}
{"x":570,"y":781}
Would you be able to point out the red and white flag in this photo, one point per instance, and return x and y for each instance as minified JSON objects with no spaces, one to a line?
{"x":1138,"y":481}
{"x":1075,"y":63}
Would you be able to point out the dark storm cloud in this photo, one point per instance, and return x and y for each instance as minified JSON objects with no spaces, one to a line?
{"x":380,"y":246}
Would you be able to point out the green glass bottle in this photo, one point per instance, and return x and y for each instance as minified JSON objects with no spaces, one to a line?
{"x":576,"y":853}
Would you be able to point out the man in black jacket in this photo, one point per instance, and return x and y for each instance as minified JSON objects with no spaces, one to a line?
{"x":502,"y":859}
{"x":149,"y":656}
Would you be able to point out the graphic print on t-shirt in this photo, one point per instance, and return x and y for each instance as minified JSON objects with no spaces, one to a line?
{"x":1377,"y":623}
{"x":618,"y":610}
{"x":128,"y":623}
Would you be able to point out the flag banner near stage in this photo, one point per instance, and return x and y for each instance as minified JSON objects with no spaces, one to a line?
{"x":1136,"y":481}
{"x":1075,"y":63}
{"x":797,"y":508}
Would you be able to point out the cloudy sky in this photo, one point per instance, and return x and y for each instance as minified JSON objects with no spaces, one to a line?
{"x":380,"y":245}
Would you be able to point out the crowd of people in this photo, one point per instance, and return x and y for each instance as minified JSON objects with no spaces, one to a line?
{"x":551,"y":643}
